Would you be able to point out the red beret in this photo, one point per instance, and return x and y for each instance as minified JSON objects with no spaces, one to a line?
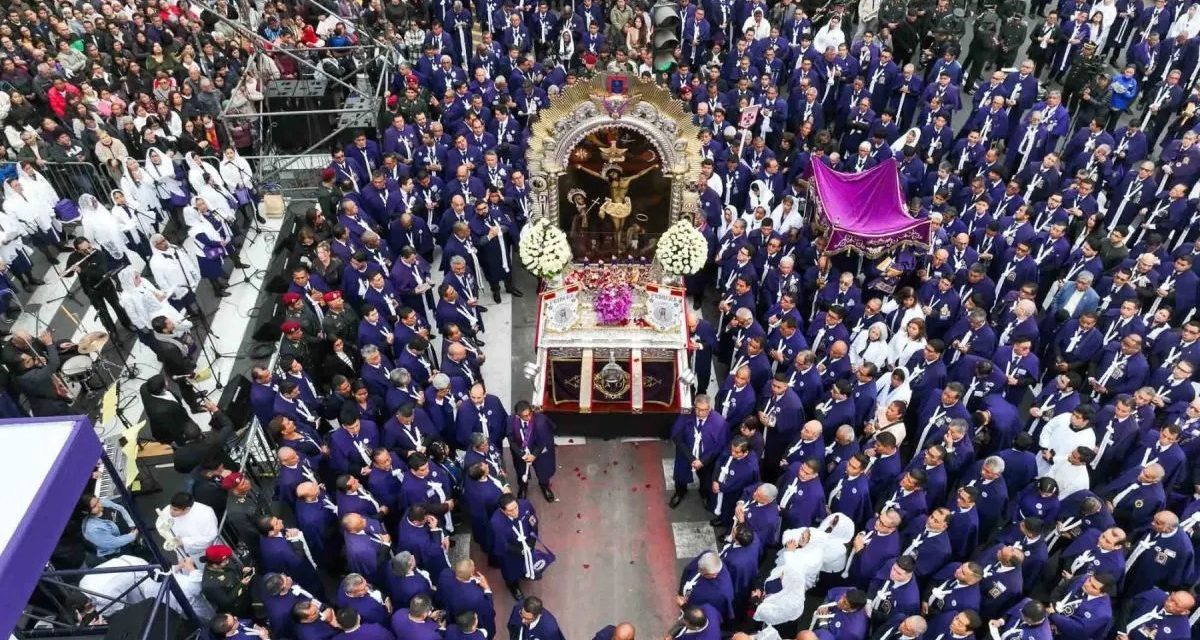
{"x":589,"y":58}
{"x":291,"y":297}
{"x":232,"y":480}
{"x":330,"y":296}
{"x":290,"y":326}
{"x":327,"y":174}
{"x":217,"y":553}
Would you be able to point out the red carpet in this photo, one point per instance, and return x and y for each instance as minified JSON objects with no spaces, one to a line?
{"x":611,"y":533}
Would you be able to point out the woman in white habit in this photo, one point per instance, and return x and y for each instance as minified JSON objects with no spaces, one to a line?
{"x":171,"y":193}
{"x":140,"y":189}
{"x":13,"y":251}
{"x":103,"y":229}
{"x":870,"y":346}
{"x":239,"y":179}
{"x":143,"y":302}
{"x":29,"y":206}
{"x":137,"y":221}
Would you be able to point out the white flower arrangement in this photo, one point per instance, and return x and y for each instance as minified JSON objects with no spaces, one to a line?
{"x":544,"y":249}
{"x":682,"y":250}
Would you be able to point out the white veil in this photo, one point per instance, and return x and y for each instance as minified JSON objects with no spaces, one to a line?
{"x":163,"y":174}
{"x":101,"y":227}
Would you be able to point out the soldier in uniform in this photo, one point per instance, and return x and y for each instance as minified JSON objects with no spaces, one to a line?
{"x":1084,"y":69}
{"x":341,"y":321}
{"x":932,"y":21}
{"x":296,"y":309}
{"x":891,"y":14}
{"x":243,"y":508}
{"x":983,"y":48}
{"x":226,"y":584}
{"x":297,"y":343}
{"x":1013,"y":32}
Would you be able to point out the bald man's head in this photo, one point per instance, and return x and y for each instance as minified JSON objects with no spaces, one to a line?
{"x":624,"y":631}
{"x":1179,"y":603}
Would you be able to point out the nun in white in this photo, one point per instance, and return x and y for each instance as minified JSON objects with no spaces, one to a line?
{"x":140,"y":189}
{"x":12,"y":248}
{"x":870,"y":346}
{"x":143,"y":302}
{"x":239,"y":178}
{"x":160,"y":169}
{"x":35,"y":183}
{"x":137,"y":222}
{"x":208,"y":235}
{"x":760,"y":196}
{"x":217,"y":197}
{"x":911,"y":138}
{"x":34,"y":215}
{"x":197,"y":169}
{"x":103,"y":229}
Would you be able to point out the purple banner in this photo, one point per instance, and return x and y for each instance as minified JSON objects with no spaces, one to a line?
{"x":865,"y":211}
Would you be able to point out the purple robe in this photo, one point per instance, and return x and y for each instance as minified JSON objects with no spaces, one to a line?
{"x":544,"y":627}
{"x":715,"y":592}
{"x":458,"y":597}
{"x":537,"y":438}
{"x":408,"y":629}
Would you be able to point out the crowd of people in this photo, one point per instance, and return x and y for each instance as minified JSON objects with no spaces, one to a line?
{"x":1006,"y":419}
{"x":989,"y":436}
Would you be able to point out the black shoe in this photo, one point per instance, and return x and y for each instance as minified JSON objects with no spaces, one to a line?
{"x":480,"y":308}
{"x":677,"y":499}
{"x":696,"y":303}
{"x":238,"y":264}
{"x":516,"y":592}
{"x":221,"y":293}
{"x":548,"y":495}
{"x":480,"y":343}
{"x":36,"y":281}
{"x":522,"y":492}
{"x":496,"y":295}
{"x":514,"y":292}
{"x":715,"y":522}
{"x":258,"y":217}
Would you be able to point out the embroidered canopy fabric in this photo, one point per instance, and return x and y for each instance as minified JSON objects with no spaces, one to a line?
{"x":865,"y":212}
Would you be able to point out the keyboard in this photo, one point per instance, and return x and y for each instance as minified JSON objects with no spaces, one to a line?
{"x":106,"y":485}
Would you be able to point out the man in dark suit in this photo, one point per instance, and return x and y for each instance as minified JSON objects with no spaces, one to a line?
{"x":177,"y":353}
{"x":169,"y":422}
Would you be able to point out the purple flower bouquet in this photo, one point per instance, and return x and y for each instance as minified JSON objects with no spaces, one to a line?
{"x":613,"y":304}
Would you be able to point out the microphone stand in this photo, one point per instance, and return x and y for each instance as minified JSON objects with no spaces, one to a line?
{"x":203,"y":318}
{"x":127,"y":369}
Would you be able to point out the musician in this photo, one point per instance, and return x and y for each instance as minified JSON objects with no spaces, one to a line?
{"x":98,"y":283}
{"x":37,"y":364}
{"x":177,"y":352}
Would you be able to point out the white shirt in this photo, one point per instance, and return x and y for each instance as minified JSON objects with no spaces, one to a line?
{"x":1071,"y":478}
{"x":1062,"y":439}
{"x":196,"y":529}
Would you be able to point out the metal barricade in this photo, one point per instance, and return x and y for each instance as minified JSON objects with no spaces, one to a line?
{"x":71,"y":179}
{"x":299,"y":176}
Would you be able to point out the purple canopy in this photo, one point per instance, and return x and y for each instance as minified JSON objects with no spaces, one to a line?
{"x":865,"y":212}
